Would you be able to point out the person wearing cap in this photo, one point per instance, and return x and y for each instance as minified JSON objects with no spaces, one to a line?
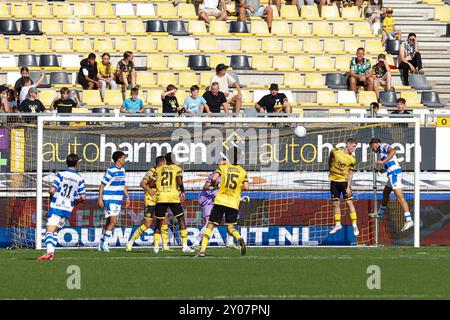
{"x":27,"y":84}
{"x":253,"y":8}
{"x":389,"y":29}
{"x":32,"y":104}
{"x":226,"y":81}
{"x":410,"y":58}
{"x":360,"y":72}
{"x":274,"y":102}
{"x":382,"y":75}
{"x":212,"y":8}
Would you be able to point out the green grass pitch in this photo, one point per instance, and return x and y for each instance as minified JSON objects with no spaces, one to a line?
{"x":264,"y":273}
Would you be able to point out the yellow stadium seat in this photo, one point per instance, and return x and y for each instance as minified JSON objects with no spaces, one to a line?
{"x":312,"y":46}
{"x":156,"y":62}
{"x":301,"y":28}
{"x":326,"y":98}
{"x":18,"y":44}
{"x":82,"y":44}
{"x":177,"y":62}
{"x":166,"y":11}
{"x":125,"y":10}
{"x":61,"y":44}
{"x":293,"y":80}
{"x":324,"y":63}
{"x":205,"y":79}
{"x":187,"y":79}
{"x":321,"y":29}
{"x":351,"y":13}
{"x":72,"y":27}
{"x":365,"y":98}
{"x":280,"y":28}
{"x":218,"y":28}
{"x":276,"y":14}
{"x":46,"y":96}
{"x":188,"y":44}
{"x":113,"y":98}
{"x":146,"y":79}
{"x":166,"y":45}
{"x":259,"y":28}
{"x":337,"y":111}
{"x":216,"y":59}
{"x":92,"y":98}
{"x":249,"y":45}
{"x":261,"y":63}
{"x":4,"y":12}
{"x":39,"y":44}
{"x":40,"y":10}
{"x":208,"y":44}
{"x":145,"y":10}
{"x":314,"y":80}
{"x":442,"y":14}
{"x":186,"y":11}
{"x":351,"y":45}
{"x":20,"y":10}
{"x":104,"y":10}
{"x":310,"y":12}
{"x":103,"y":45}
{"x":135,"y":28}
{"x":373,"y":46}
{"x":282,"y":63}
{"x":291,"y":46}
{"x":181,"y":96}
{"x":62,"y":10}
{"x":197,"y":28}
{"x":247,"y":97}
{"x":362,"y":29}
{"x":166,"y":78}
{"x":412,"y":99}
{"x":3,"y":47}
{"x":145,"y":45}
{"x":303,"y":63}
{"x":123,"y":43}
{"x":154,"y":97}
{"x":93,"y":28}
{"x":83,"y":10}
{"x":342,"y":29}
{"x":270,"y":45}
{"x":289,"y":12}
{"x":51,"y":27}
{"x":330,"y":13}
{"x":114,"y":27}
{"x":333,"y":46}
{"x":80,"y":123}
{"x":343,"y":63}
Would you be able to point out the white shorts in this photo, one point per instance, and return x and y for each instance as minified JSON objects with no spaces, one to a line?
{"x":112,"y":209}
{"x":56,"y":221}
{"x":395,"y":181}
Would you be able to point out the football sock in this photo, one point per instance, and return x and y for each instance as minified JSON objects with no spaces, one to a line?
{"x":235,"y":234}
{"x":337,"y":218}
{"x":381,"y":210}
{"x":353,"y":217}
{"x":157,"y":239}
{"x":184,"y":235}
{"x":137,"y":234}
{"x":51,"y":240}
{"x":165,"y":235}
{"x":106,"y":236}
{"x":408,"y":216}
{"x":205,"y":240}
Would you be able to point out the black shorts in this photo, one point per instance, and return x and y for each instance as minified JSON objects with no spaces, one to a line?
{"x":360,"y":83}
{"x":149,"y":212}
{"x":338,"y":188}
{"x":218,"y":211}
{"x":161,"y":210}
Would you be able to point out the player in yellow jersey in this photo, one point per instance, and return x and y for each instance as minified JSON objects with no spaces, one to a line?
{"x":233,"y":181}
{"x":149,"y":209}
{"x":342,"y":164}
{"x":168,"y":181}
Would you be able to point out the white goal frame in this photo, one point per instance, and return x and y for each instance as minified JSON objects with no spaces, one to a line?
{"x":158,"y":119}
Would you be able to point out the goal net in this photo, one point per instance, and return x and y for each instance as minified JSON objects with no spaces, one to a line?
{"x":290,"y":201}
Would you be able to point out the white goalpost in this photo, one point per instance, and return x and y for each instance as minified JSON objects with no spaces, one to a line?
{"x":290,"y":201}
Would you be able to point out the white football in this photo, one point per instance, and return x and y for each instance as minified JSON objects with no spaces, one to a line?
{"x":300,"y":131}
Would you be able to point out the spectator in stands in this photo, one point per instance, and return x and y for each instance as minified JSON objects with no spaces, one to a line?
{"x":133,"y":104}
{"x":32,"y":103}
{"x":382,"y":75}
{"x":225,"y":81}
{"x":375,"y":11}
{"x":215,"y":99}
{"x":195,"y":104}
{"x":301,"y":3}
{"x":24,"y":72}
{"x":65,"y":104}
{"x":169,"y":100}
{"x":274,"y":102}
{"x":27,"y":84}
{"x":374,"y":108}
{"x":410,"y":58}
{"x":253,"y":8}
{"x":401,"y":107}
{"x":3,"y":98}
{"x":360,"y":72}
{"x":389,"y":29}
{"x":212,"y":8}
{"x":349,"y":3}
{"x":9,"y":101}
{"x":126,"y":72}
{"x":106,"y":74}
{"x":87,"y":75}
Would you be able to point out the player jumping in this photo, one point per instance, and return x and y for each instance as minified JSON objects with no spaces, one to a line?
{"x":394,"y":183}
{"x":342,"y":164}
{"x":66,"y":190}
{"x":233,"y":182}
{"x":110,"y":197}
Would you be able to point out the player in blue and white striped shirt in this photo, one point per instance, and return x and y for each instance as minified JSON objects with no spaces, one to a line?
{"x":110,"y":197}
{"x":394,"y":183}
{"x":66,"y":190}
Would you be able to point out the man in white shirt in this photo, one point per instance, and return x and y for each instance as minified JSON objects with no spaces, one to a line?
{"x":208,"y":8}
{"x":226,"y":81}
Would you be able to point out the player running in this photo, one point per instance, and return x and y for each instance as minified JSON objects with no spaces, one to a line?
{"x":394,"y":183}
{"x":149,"y":210}
{"x":66,"y":190}
{"x":233,"y":182}
{"x":168,"y":180}
{"x":110,"y":197}
{"x":342,"y":164}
